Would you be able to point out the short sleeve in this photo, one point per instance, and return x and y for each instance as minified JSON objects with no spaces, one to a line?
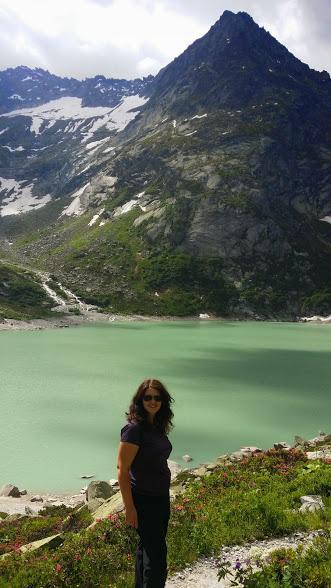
{"x":131,"y":433}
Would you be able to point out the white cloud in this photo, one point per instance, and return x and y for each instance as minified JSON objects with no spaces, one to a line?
{"x":148,"y":65}
{"x":129,"y":38}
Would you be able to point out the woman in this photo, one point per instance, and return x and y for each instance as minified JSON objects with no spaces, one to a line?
{"x":144,"y":479}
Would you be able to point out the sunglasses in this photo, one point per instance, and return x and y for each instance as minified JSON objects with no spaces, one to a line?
{"x":149,"y":397}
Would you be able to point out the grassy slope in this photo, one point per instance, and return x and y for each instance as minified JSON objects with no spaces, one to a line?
{"x":21,"y":295}
{"x":253,"y":499}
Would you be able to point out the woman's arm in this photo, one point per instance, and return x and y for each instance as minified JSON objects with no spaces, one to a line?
{"x":126,"y":454}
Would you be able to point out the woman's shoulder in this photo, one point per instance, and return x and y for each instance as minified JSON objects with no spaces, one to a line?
{"x":131,"y":426}
{"x":132,"y":432}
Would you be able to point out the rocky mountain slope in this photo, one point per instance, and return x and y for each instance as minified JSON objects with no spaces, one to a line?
{"x":204,"y":189}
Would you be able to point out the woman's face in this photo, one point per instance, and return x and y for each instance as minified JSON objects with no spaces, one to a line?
{"x":152,"y":402}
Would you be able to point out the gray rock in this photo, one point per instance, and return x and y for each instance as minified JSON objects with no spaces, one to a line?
{"x":99,"y":489}
{"x":28,"y":511}
{"x":311,"y":503}
{"x":212,"y":466}
{"x":94,"y":504}
{"x":223,"y":459}
{"x":282,"y":445}
{"x":299,"y":440}
{"x":175,"y":468}
{"x":10,"y":490}
{"x":112,"y":506}
{"x":201,"y":471}
{"x":23,"y":492}
{"x":236,"y":456}
{"x":250,"y":449}
{"x":36,"y":498}
{"x":187,"y":458}
{"x":52,"y":542}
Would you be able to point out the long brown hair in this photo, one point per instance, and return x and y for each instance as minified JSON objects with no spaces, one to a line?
{"x":163,"y":418}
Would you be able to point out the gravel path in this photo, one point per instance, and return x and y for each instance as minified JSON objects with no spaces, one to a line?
{"x":203,"y":574}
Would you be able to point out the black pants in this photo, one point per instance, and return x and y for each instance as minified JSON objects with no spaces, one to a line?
{"x":151,"y":558}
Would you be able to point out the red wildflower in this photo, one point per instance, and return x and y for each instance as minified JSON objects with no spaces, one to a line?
{"x":58,"y":567}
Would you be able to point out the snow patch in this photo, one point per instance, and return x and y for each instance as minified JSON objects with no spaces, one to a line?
{"x":4,"y":130}
{"x":199,"y":116}
{"x":27,"y":78}
{"x":19,"y":198}
{"x":76,"y":207}
{"x":35,"y":125}
{"x":95,"y":218}
{"x":188,"y":134}
{"x":174,"y":123}
{"x":16,"y":97}
{"x":12,"y":149}
{"x":108,"y":150}
{"x":117,"y":118}
{"x":128,"y":205}
{"x":326,"y":219}
{"x":71,"y":108}
{"x":95,"y":144}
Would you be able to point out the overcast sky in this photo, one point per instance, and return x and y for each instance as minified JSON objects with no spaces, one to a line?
{"x":132,"y":38}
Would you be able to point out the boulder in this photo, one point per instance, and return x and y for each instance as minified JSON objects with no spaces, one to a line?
{"x":113,"y":505}
{"x":300,"y":441}
{"x":201,"y":471}
{"x":222,"y":459}
{"x":212,"y":466}
{"x":236,"y":456}
{"x":10,"y":490}
{"x":250,"y":449}
{"x":23,"y":492}
{"x":52,"y":542}
{"x":187,"y":458}
{"x":94,"y":504}
{"x":36,"y":498}
{"x":282,"y":445}
{"x":176,"y":489}
{"x":322,"y":438}
{"x":311,"y":503}
{"x":99,"y":489}
{"x":175,"y":468}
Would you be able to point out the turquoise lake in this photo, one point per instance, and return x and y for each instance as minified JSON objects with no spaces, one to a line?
{"x":64,"y":392}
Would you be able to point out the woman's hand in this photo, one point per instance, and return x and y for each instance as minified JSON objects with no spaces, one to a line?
{"x":131,"y":517}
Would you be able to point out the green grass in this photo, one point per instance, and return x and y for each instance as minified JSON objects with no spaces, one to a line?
{"x":256,"y":498}
{"x":286,"y":568}
{"x":21,"y":295}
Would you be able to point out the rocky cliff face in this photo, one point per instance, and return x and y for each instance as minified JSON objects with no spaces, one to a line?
{"x":224,"y":171}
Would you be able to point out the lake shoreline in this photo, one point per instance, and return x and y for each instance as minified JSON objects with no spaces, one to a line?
{"x":94,"y":318}
{"x":314,"y":448}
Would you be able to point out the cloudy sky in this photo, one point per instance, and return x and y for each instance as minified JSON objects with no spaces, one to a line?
{"x":132,"y":38}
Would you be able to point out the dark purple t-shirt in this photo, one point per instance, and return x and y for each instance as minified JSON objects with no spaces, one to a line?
{"x":149,"y":472}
